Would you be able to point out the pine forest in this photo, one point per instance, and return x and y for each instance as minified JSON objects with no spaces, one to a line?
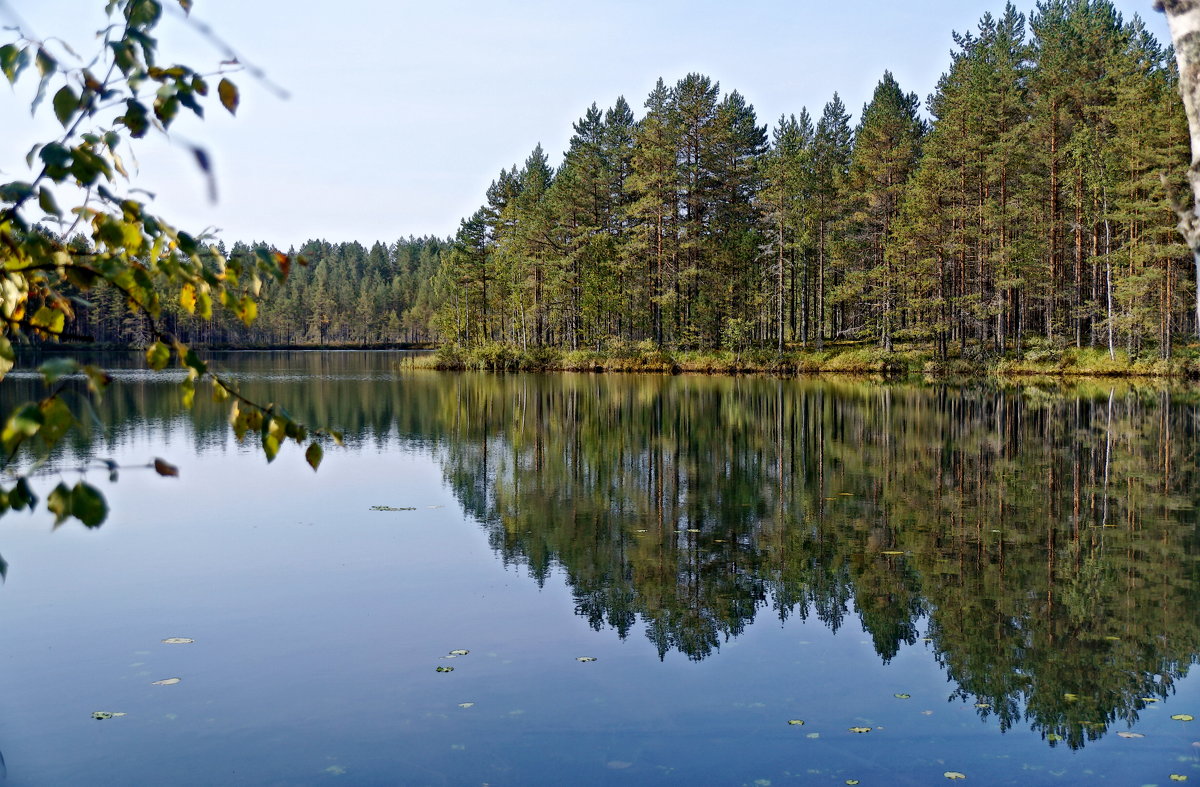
{"x":1025,"y":205}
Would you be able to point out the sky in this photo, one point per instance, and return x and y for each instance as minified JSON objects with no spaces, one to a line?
{"x":399,"y":114}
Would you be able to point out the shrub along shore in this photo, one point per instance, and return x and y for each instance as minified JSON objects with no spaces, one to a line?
{"x":840,"y":358}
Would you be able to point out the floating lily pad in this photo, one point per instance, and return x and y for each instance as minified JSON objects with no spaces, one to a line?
{"x":585,"y":658}
{"x":445,"y":669}
{"x":1130,"y":735}
{"x":954,"y":775}
{"x":466,"y":705}
{"x":796,"y":722}
{"x":860,"y":730}
{"x":1183,"y":717}
{"x":902,"y":696}
{"x":1178,"y":777}
{"x":166,"y":682}
{"x":459,"y":652}
{"x":391,"y":508}
{"x":102,"y":715}
{"x":178,"y":641}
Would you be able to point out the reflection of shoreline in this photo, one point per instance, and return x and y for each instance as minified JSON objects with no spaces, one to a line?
{"x":1042,"y":538}
{"x":1020,"y":529}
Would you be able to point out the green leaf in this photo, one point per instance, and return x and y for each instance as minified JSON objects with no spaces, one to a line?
{"x":270,"y":444}
{"x":47,"y":203}
{"x":88,"y":505}
{"x":98,"y":379}
{"x":65,"y":104}
{"x":228,"y":93}
{"x":58,"y":421}
{"x":25,"y":422}
{"x":158,"y":356}
{"x":136,"y":119}
{"x":59,"y":502}
{"x":15,"y":191}
{"x":192,"y":361}
{"x":8,"y":356}
{"x":314,"y":454}
{"x":57,"y":368}
{"x":21,"y":496}
{"x":13,"y":60}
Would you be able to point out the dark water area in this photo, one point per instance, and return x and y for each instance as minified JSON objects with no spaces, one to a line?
{"x":1001,"y":581}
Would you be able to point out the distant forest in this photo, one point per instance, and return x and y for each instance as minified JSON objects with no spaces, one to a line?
{"x":1029,"y":205}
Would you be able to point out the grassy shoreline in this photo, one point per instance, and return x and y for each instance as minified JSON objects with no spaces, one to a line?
{"x":843,"y":359}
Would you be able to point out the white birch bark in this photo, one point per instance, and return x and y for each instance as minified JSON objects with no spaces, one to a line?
{"x":1183,"y":18}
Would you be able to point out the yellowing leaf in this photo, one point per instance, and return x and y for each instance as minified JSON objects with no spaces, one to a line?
{"x":228,"y":93}
{"x":954,"y":775}
{"x":1178,"y":777}
{"x":860,"y":730}
{"x":1183,"y":717}
{"x":165,"y":468}
{"x":796,"y":722}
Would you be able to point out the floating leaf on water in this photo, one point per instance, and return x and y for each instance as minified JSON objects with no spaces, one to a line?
{"x":101,"y":715}
{"x":1069,"y":697}
{"x":1183,"y":717}
{"x":459,"y":652}
{"x":852,"y":781}
{"x":796,"y":722}
{"x":902,"y":696}
{"x":585,"y":658}
{"x":693,"y":530}
{"x":891,"y":552}
{"x":954,"y":775}
{"x":178,"y":641}
{"x":390,"y":508}
{"x":1054,"y":737}
{"x":445,"y":669}
{"x":166,"y":682}
{"x":982,"y":705}
{"x":1178,"y":777}
{"x":1130,"y":735}
{"x":1149,"y":699}
{"x":1113,"y":639}
{"x":641,"y":531}
{"x":813,"y":735}
{"x":860,"y":730}
{"x":846,"y":494}
{"x":466,"y":705}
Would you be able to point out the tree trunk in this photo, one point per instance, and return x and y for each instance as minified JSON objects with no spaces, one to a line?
{"x":1183,"y":18}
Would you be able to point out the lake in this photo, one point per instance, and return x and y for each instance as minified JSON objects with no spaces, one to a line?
{"x":656,"y":580}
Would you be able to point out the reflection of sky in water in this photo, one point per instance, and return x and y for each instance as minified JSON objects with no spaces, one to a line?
{"x":319,"y":625}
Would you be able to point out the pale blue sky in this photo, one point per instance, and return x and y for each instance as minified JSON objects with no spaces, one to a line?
{"x":401,"y":113}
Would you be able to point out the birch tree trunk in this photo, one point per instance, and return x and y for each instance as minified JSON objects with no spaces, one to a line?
{"x":1183,"y":18}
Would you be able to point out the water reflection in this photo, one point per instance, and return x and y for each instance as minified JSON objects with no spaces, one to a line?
{"x":1041,"y":541}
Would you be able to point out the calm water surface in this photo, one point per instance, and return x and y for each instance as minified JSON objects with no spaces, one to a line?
{"x":992,"y":580}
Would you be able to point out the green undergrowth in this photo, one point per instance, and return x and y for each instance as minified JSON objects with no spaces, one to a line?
{"x":857,"y":358}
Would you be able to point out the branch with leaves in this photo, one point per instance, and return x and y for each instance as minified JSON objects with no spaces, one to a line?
{"x":121,"y":244}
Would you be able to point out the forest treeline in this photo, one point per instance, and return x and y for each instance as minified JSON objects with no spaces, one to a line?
{"x":343,"y":294}
{"x":1029,"y":209}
